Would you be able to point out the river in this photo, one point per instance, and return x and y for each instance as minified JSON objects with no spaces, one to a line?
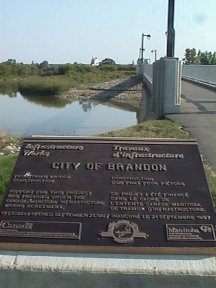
{"x":34,"y":115}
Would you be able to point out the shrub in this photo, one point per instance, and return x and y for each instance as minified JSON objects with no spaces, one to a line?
{"x":44,"y":85}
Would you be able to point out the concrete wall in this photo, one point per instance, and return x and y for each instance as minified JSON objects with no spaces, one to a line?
{"x":163,"y":81}
{"x":205,"y":73}
{"x":148,"y":70}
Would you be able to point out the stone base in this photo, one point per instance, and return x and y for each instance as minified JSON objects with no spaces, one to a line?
{"x":63,"y":270}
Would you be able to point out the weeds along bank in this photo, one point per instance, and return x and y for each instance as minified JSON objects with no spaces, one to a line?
{"x":55,"y":79}
{"x":9,"y":148}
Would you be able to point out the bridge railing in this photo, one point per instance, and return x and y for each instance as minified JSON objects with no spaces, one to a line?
{"x":163,"y":80}
{"x":200,"y":74}
{"x":149,"y":70}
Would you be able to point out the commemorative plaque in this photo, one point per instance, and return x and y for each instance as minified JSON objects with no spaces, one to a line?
{"x":116,"y":195}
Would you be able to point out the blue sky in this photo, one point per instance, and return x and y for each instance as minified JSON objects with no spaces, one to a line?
{"x":67,"y":31}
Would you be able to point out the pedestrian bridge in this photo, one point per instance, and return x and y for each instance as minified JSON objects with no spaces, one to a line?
{"x":163,"y":81}
{"x":197,"y":94}
{"x":201,"y":74}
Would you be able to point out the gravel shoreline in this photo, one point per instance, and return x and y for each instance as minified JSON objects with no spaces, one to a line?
{"x":127,"y":90}
{"x":9,"y":144}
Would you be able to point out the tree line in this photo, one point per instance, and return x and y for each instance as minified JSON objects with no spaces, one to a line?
{"x":11,"y":68}
{"x":52,"y":79}
{"x":194,"y":57}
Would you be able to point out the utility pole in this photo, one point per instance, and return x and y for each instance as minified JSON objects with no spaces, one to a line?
{"x":170,"y":29}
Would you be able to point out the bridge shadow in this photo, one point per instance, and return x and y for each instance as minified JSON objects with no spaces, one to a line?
{"x":200,"y":106}
{"x":107,"y":97}
{"x":113,"y":91}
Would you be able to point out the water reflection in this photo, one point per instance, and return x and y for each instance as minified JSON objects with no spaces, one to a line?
{"x":47,"y":101}
{"x":87,"y":105}
{"x":8,"y":87}
{"x":27,"y":115}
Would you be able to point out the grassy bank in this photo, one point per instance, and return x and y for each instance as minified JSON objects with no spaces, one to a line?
{"x":68,"y":76}
{"x":152,"y":129}
{"x":148,"y":129}
{"x":7,"y":163}
{"x":51,"y":85}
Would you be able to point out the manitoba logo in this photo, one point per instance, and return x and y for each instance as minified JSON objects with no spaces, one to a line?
{"x":123,"y":232}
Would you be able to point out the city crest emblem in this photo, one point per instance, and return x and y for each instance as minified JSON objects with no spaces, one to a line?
{"x":123,"y":232}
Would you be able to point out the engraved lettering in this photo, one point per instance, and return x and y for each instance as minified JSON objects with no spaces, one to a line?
{"x":65,"y":165}
{"x":118,"y":186}
{"x":34,"y":153}
{"x":93,"y":166}
{"x":137,"y":167}
{"x":130,"y":148}
{"x":34,"y":147}
{"x":8,"y":225}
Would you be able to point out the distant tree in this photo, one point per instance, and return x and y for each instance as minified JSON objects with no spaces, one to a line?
{"x":12,"y":68}
{"x":205,"y":58}
{"x":44,"y":64}
{"x":64,"y":69}
{"x":34,"y":70}
{"x":213,"y":60}
{"x":199,"y":58}
{"x":23,"y":70}
{"x":10,"y":61}
{"x":108,"y":61}
{"x":47,"y":69}
{"x":190,"y":56}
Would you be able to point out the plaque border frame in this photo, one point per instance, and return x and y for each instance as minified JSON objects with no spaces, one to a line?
{"x":189,"y":250}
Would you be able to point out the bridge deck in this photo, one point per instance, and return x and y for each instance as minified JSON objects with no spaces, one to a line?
{"x":198,"y":115}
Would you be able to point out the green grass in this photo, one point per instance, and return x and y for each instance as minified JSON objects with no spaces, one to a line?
{"x":211,"y":179}
{"x":51,"y":85}
{"x":152,"y":129}
{"x":68,"y":76}
{"x":7,"y":163}
{"x":78,"y":76}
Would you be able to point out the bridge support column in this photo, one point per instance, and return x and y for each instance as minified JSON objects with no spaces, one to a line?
{"x":172,"y":85}
{"x":166,"y":86}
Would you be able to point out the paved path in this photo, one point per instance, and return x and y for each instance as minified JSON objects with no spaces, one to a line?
{"x":198,"y":115}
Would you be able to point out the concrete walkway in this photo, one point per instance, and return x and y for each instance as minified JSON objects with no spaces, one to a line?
{"x":198,"y":115}
{"x":20,"y":269}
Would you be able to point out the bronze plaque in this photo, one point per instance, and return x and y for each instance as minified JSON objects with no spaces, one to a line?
{"x":118,"y":195}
